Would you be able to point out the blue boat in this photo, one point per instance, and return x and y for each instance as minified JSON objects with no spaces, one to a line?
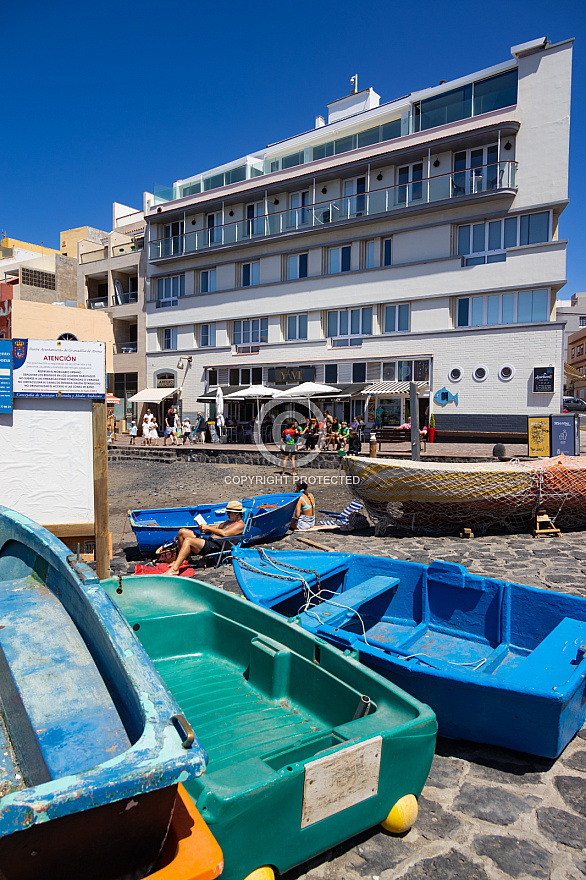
{"x":498,"y":662}
{"x":267,"y":518}
{"x":93,"y":744}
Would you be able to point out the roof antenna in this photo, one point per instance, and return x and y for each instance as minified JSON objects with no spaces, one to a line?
{"x":354,"y":81}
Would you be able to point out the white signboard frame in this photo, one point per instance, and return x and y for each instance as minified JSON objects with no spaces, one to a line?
{"x":59,"y":368}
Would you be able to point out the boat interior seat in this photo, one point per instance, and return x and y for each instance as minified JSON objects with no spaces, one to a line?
{"x":346,"y":604}
{"x":555,"y":658}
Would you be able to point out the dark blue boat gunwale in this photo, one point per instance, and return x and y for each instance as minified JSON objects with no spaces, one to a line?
{"x":156,"y":758}
{"x":543,"y":687}
{"x":152,"y":531}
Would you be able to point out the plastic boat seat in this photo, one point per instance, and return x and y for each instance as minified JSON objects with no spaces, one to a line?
{"x":554,"y":659}
{"x":337,"y":609}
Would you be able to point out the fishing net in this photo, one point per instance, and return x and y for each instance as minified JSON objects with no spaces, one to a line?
{"x":436,"y":497}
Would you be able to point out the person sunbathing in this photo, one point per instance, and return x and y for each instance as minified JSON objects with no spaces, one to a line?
{"x":189,"y":543}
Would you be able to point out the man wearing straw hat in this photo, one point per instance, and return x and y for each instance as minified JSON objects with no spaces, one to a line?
{"x":189,"y":543}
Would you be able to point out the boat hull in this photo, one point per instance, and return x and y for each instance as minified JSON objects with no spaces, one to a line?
{"x":498,"y":662}
{"x":271,"y":705}
{"x":92,"y":759}
{"x":435,"y":497}
{"x":271,"y":518}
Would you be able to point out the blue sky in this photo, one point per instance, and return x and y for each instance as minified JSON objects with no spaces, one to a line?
{"x":102,"y":101}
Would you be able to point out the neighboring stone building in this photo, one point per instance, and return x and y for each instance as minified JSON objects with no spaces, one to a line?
{"x":36,"y":273}
{"x":395,"y":242}
{"x":576,"y":359}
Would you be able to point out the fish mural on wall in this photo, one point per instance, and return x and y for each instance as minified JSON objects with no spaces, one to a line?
{"x":444,"y":396}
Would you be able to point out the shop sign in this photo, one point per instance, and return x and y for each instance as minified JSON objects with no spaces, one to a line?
{"x":5,"y":375}
{"x":291,"y":375}
{"x":58,"y":368}
{"x":565,"y":434}
{"x":543,"y":380}
{"x":166,"y":383}
{"x":538,"y":431}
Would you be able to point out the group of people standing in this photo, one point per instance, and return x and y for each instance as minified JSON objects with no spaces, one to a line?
{"x":174,"y":430}
{"x":324,"y":434}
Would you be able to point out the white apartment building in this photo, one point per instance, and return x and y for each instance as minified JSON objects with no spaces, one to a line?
{"x":410,"y":240}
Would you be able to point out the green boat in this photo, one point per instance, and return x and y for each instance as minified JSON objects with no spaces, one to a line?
{"x":307,"y":747}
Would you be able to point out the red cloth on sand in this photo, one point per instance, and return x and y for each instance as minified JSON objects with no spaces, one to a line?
{"x":185,"y":570}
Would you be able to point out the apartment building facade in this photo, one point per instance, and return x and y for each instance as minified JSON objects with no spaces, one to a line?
{"x":412,"y":240}
{"x":111,"y":277}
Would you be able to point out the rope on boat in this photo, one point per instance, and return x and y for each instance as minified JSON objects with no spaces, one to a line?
{"x":126,"y":519}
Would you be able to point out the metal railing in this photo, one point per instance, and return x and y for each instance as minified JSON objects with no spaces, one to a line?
{"x":126,"y":347}
{"x":98,"y":302}
{"x":122,"y":299}
{"x":93,"y":256}
{"x":455,"y":184}
{"x":129,"y":247}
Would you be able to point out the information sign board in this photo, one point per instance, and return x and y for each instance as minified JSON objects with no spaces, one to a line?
{"x":538,"y":431}
{"x":5,"y":375}
{"x":543,"y":380}
{"x":58,"y":368}
{"x":565,"y":434}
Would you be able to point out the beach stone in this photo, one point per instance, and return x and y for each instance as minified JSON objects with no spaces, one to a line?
{"x":494,"y":805}
{"x":451,"y":866}
{"x":562,"y":827}
{"x":382,"y":852}
{"x":445,"y":772}
{"x":582,"y":733}
{"x":514,"y":856}
{"x":577,"y":761}
{"x":433,"y":822}
{"x":505,"y":772}
{"x":573,"y":791}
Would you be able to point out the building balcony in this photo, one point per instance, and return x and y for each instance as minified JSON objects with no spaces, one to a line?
{"x":122,"y":299}
{"x":94,"y":256}
{"x":97,"y":302}
{"x":129,"y":247}
{"x":495,"y":178}
{"x":130,"y":347}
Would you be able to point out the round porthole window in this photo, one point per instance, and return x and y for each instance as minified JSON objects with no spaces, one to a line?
{"x":506,"y":372}
{"x":480,"y":373}
{"x":67,"y":337}
{"x":455,"y":374}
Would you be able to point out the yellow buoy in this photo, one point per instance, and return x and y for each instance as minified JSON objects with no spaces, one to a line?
{"x":403,"y":815}
{"x":264,"y":873}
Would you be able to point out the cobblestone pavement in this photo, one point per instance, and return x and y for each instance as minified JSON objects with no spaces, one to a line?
{"x":485,"y":812}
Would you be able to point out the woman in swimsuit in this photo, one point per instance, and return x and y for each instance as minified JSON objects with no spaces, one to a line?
{"x":304,"y":516}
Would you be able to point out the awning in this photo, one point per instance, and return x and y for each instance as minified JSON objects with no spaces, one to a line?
{"x":152,"y":395}
{"x":572,"y":372}
{"x":210,"y":396}
{"x":392,"y":389}
{"x":111,"y":399}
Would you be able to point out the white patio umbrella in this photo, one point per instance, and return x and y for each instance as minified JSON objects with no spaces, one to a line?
{"x":220,"y":410}
{"x":307,"y":389}
{"x":255,"y":392}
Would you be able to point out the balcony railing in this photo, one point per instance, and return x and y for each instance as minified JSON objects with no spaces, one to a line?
{"x":93,"y":256}
{"x":98,"y":302}
{"x":494,"y":177}
{"x":125,"y":347}
{"x":122,"y":299}
{"x":129,"y":247}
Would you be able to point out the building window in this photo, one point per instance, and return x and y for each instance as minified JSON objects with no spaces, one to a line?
{"x":339,"y":259}
{"x":470,"y":100}
{"x":207,"y":335}
{"x":207,"y":281}
{"x":582,"y":321}
{"x":212,"y":378}
{"x":251,"y":331}
{"x":354,"y":197}
{"x":580,"y":350}
{"x":369,"y":255}
{"x":255,"y":221}
{"x":172,"y":239}
{"x":476,"y":171}
{"x":169,"y":338}
{"x":169,"y":289}
{"x":250,"y":274}
{"x":298,"y":213}
{"x":331,"y":374}
{"x":421,"y":371}
{"x":404,"y":371}
{"x":215,"y":228}
{"x":245,"y":376}
{"x":359,"y":372}
{"x":296,"y":266}
{"x":348,"y":326}
{"x":573,"y":352}
{"x":293,"y":159}
{"x":396,"y":318}
{"x":389,"y":372}
{"x":410,"y":180}
{"x":68,"y":337}
{"x":525,"y":307}
{"x":297,"y":326}
{"x":387,"y":252}
{"x":487,"y":242}
{"x":34,"y":278}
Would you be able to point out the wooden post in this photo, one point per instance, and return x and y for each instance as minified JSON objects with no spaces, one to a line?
{"x":101,"y":520}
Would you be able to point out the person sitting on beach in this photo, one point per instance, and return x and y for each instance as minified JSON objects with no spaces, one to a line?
{"x":354,"y":444}
{"x":201,"y":545}
{"x":343,"y":435}
{"x":304,"y":516}
{"x":334,"y":435}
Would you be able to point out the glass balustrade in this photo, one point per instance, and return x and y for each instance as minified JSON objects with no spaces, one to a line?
{"x":126,"y":347}
{"x":492,"y":177}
